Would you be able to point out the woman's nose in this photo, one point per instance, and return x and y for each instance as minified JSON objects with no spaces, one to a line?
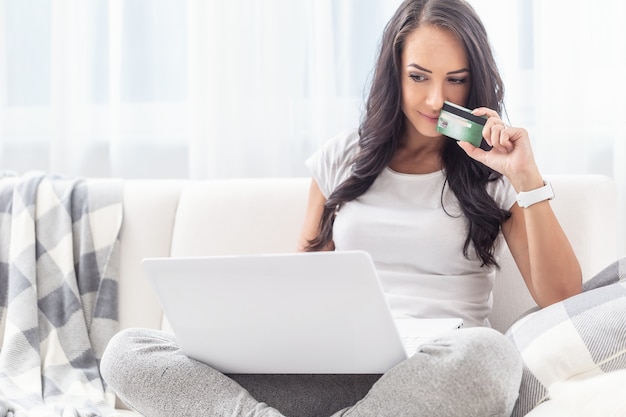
{"x":435,"y":97}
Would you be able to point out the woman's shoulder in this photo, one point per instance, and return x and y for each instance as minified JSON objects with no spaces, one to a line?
{"x":332,"y":163}
{"x":343,"y":146}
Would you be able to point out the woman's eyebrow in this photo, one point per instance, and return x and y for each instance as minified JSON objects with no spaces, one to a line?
{"x":458,"y":71}
{"x":419,"y":67}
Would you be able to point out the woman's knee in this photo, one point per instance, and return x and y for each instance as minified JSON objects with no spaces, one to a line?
{"x":447,"y":377}
{"x":486,"y":343}
{"x":113,"y":358}
{"x":127,"y":350}
{"x":494,"y":365}
{"x":496,"y":356}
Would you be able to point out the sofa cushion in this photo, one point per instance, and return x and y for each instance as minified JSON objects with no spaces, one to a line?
{"x":589,"y":397}
{"x":581,"y":337}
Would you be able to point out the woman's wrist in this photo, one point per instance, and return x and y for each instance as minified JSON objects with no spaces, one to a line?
{"x":528,"y":181}
{"x":526,"y":199}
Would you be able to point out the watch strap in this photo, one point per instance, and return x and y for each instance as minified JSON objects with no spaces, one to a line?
{"x":528,"y":198}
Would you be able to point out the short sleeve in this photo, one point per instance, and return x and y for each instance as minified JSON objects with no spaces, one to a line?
{"x":502,"y":192}
{"x":332,"y":163}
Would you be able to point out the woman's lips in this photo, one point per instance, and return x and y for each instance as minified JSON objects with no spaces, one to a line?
{"x":432,"y":119}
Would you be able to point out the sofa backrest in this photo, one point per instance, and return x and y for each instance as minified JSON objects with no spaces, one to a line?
{"x":238,"y":216}
{"x":231,"y":216}
{"x":586,"y":206}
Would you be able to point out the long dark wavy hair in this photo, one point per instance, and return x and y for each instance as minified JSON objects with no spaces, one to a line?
{"x":383,"y":123}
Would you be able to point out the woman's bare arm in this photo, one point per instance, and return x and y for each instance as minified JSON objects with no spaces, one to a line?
{"x":310,"y":226}
{"x":542,"y":253}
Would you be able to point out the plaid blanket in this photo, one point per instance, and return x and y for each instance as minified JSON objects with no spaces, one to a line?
{"x":59,"y":256}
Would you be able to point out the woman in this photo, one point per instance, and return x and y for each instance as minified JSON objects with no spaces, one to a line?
{"x":429,"y":210}
{"x":421,"y":65}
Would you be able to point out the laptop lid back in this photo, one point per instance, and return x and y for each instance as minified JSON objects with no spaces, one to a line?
{"x":321,"y":312}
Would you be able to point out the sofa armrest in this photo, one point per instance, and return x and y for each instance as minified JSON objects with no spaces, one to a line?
{"x":149,"y":213}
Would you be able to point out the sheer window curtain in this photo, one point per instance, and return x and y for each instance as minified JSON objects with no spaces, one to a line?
{"x":225,"y":88}
{"x":172,"y":88}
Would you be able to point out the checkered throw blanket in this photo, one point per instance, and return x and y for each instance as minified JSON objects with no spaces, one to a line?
{"x":59,"y":261}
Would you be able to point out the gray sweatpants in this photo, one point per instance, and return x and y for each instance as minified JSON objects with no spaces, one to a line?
{"x":469,"y":372}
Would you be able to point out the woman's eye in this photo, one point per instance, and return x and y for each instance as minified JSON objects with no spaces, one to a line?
{"x":416,"y":77}
{"x":458,"y":80}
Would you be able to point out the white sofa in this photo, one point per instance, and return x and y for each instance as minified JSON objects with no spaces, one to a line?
{"x":188,"y":218}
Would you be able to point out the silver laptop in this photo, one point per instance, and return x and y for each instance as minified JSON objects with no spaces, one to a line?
{"x":319,"y":312}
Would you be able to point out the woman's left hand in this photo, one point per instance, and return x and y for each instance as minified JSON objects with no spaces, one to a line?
{"x":511,"y":154}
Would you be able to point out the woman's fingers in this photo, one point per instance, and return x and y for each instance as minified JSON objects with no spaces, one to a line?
{"x":501,"y":137}
{"x":496,"y":132}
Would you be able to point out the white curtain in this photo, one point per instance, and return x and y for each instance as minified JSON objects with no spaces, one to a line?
{"x":226,"y":88}
{"x":173,"y":88}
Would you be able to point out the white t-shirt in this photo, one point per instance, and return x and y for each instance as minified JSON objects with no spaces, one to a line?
{"x":417,"y":247}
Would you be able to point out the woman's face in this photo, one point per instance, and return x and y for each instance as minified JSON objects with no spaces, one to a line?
{"x":435,"y":68}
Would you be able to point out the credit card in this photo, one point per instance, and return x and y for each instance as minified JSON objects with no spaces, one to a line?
{"x":459,"y":123}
